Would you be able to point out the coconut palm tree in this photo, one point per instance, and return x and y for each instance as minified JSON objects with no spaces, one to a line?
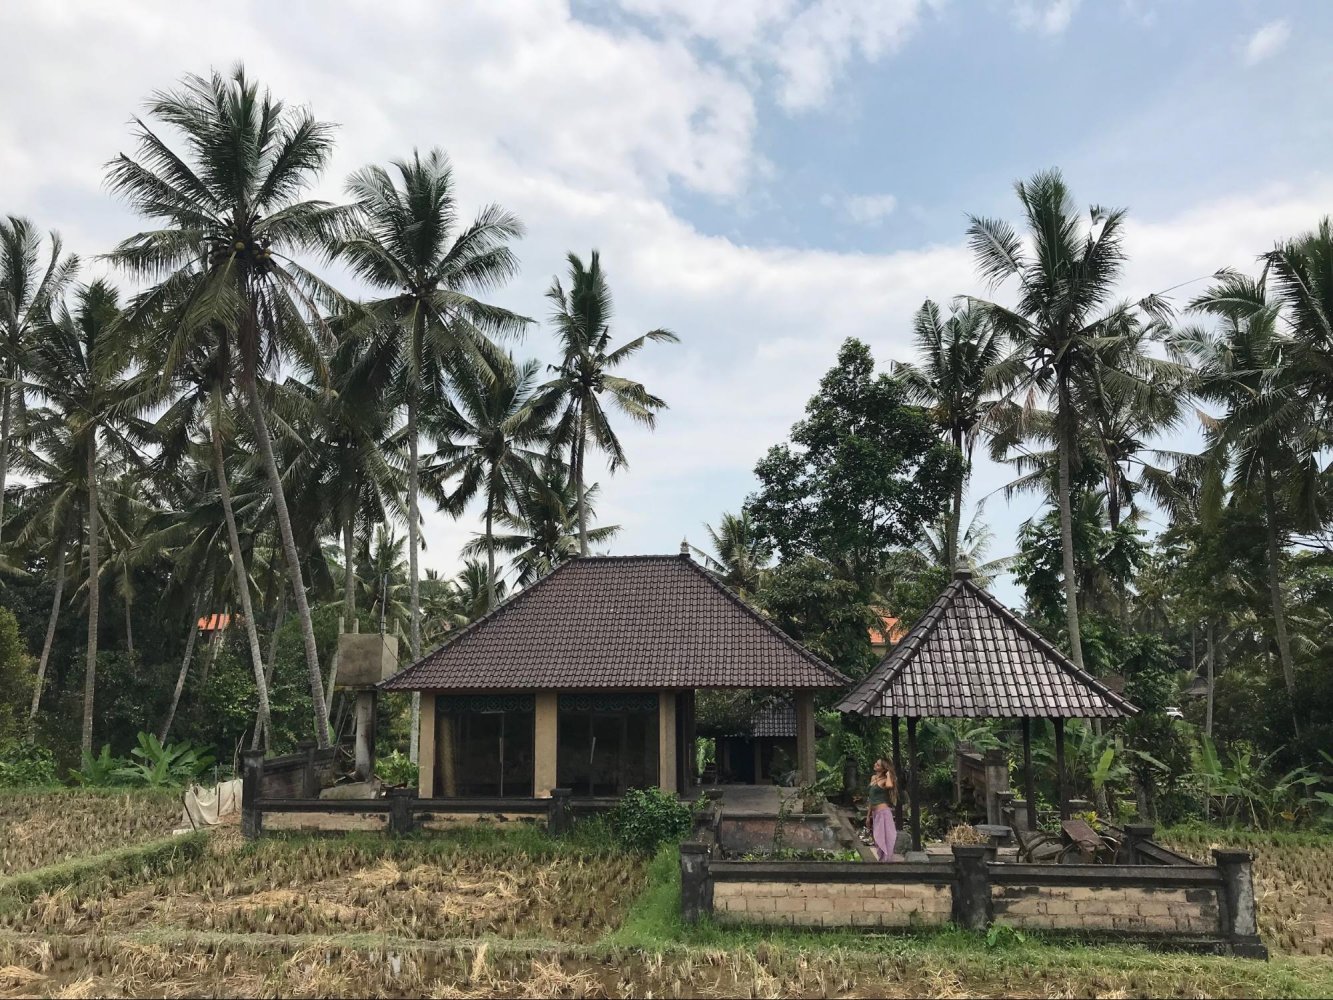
{"x":1062,"y":325}
{"x":229,"y":216}
{"x":543,"y":518}
{"x":490,"y":445}
{"x":407,"y":244}
{"x":477,"y":590}
{"x":740,"y":556}
{"x":582,"y":317}
{"x":77,"y":368}
{"x":953,"y":380}
{"x":27,"y":293}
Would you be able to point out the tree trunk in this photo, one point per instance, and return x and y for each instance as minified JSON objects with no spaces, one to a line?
{"x":581,"y":445}
{"x":6,"y":419}
{"x":1275,"y":590}
{"x":490,"y":554}
{"x":1064,"y":446}
{"x":265,"y":726}
{"x":413,"y":544}
{"x":184,"y":672}
{"x":1212,"y":673}
{"x":956,"y":513}
{"x":242,"y":587}
{"x":129,"y":609}
{"x":50,"y":631}
{"x":90,"y":672}
{"x":292,"y":558}
{"x":349,"y":572}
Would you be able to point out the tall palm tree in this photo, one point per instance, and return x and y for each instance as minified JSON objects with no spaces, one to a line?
{"x":77,"y":367}
{"x":407,"y":245}
{"x":230,"y":216}
{"x":1062,"y":324}
{"x":477,"y":590}
{"x":582,"y":317}
{"x":543,"y":522}
{"x":953,"y":381}
{"x":740,"y":556}
{"x":27,"y":293}
{"x":1269,"y":436}
{"x":490,"y":445}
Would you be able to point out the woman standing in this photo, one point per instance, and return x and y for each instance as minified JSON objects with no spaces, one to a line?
{"x":879,"y":818}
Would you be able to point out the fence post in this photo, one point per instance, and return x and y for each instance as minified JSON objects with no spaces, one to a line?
{"x":558,"y":818}
{"x":309,"y":776}
{"x":400,"y":810}
{"x":696,"y":887}
{"x":252,"y":787}
{"x":1240,"y":922}
{"x":971,"y":886}
{"x":1135,"y":834}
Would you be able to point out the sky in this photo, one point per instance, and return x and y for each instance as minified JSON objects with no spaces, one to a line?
{"x":765,"y":178}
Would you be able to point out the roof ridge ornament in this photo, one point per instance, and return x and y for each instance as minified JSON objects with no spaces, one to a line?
{"x":962,"y":573}
{"x":685,"y":548}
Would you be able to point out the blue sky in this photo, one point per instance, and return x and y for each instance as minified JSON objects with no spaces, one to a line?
{"x":764,"y":177}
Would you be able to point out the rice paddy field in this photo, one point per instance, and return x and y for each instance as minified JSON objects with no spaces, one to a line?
{"x":502,"y":910}
{"x":44,"y":826}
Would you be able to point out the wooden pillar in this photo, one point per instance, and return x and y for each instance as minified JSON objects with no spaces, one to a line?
{"x":897,"y":754}
{"x":1060,"y":777}
{"x":426,"y":747}
{"x":805,"y":738}
{"x":912,"y":782}
{"x":666,"y":741}
{"x":545,"y":753}
{"x":1029,"y":780}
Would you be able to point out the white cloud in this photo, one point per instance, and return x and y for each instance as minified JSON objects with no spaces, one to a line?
{"x":1047,"y":17}
{"x":869,"y":209}
{"x":808,"y":43}
{"x":1268,"y":41}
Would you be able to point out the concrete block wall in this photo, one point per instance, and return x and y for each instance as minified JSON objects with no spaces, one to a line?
{"x":832,"y":904}
{"x":1146,"y":910}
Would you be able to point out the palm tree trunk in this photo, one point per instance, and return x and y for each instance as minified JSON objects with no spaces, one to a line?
{"x":292,"y":557}
{"x":349,"y":573}
{"x":1275,"y":590}
{"x":242,"y":587}
{"x":270,"y":666}
{"x":490,"y":554}
{"x":184,"y":672}
{"x":578,"y":481}
{"x":5,"y":420}
{"x":50,"y":631}
{"x":90,"y":672}
{"x":129,"y":608}
{"x":1212,"y":673}
{"x":413,"y":544}
{"x":1065,"y":446}
{"x":956,"y":514}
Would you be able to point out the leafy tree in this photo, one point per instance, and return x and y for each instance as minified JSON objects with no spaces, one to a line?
{"x":230,"y":216}
{"x":810,"y":600}
{"x":582,"y":317}
{"x":864,"y":472}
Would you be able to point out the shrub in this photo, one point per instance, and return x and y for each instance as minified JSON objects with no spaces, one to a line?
{"x":100,"y":771}
{"x":646,"y":818}
{"x":397,"y":769}
{"x":23,"y":763}
{"x":171,"y":766}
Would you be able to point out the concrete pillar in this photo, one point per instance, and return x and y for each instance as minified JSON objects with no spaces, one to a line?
{"x":696,"y":887}
{"x":444,"y":750}
{"x":666,"y":741}
{"x":426,"y":747}
{"x":1135,"y":834}
{"x":544,"y":757}
{"x":400,"y":807}
{"x":805,"y":737}
{"x":997,"y":780}
{"x":559,"y":818}
{"x":971,"y":886}
{"x":252,"y":787}
{"x":365,"y":734}
{"x":1240,"y":919}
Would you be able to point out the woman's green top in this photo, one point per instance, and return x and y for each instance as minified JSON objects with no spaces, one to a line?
{"x":878,"y":796}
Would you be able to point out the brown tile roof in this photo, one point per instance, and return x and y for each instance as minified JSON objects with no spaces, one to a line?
{"x":889,"y":630}
{"x":971,"y":657}
{"x":620,"y":622}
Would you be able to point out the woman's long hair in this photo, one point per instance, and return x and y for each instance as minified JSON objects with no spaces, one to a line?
{"x":887,"y":778}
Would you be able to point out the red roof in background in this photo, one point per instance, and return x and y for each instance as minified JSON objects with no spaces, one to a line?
{"x":214,"y":623}
{"x":888,"y":627}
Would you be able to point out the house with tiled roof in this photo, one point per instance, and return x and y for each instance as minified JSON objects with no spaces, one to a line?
{"x":586,"y":680}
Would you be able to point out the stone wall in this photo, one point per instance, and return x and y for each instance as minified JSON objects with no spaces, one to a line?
{"x":832,"y":904}
{"x":1138,"y":910}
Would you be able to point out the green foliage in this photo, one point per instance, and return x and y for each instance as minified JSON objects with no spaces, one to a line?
{"x":151,"y":765}
{"x":864,"y":472}
{"x":1242,"y":786}
{"x":17,"y":674}
{"x":813,"y":603}
{"x":101,"y":771}
{"x":1001,"y":936}
{"x":646,"y":818}
{"x":23,"y":763}
{"x":397,"y":769}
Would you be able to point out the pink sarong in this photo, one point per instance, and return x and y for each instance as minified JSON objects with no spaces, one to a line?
{"x":885,"y":832}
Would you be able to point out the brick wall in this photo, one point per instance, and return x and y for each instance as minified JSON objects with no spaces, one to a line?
{"x":832,"y":904}
{"x":1135,"y":909}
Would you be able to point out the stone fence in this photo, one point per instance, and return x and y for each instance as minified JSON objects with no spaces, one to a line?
{"x":1198,"y":907}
